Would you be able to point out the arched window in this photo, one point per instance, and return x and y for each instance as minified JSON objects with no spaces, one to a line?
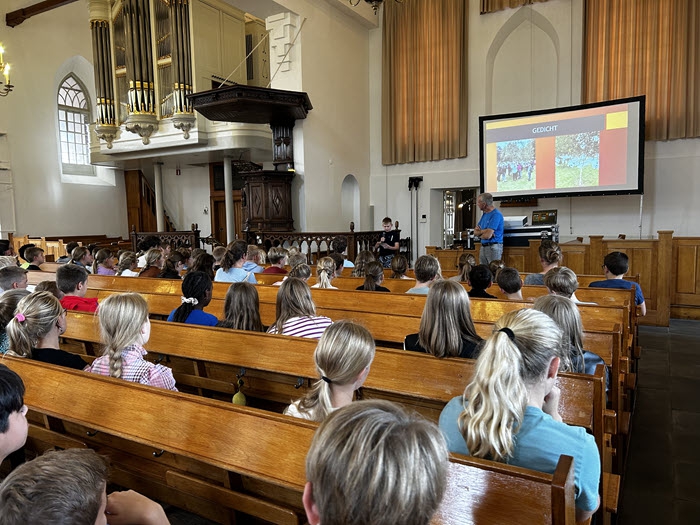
{"x":73,"y":120}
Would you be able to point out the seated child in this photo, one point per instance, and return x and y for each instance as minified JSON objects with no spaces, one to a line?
{"x":64,"y":259}
{"x":427,"y":269}
{"x":35,"y":329}
{"x":49,"y":286}
{"x":373,"y":462}
{"x":231,"y":270}
{"x":69,"y":486}
{"x":13,"y":412}
{"x":480,"y":279}
{"x":82,"y":257}
{"x":361,"y":261}
{"x":204,"y":262}
{"x":561,"y":280}
{"x":399,"y":267}
{"x":252,"y":260}
{"x":124,"y":329}
{"x":495,"y":266}
{"x":71,"y":279}
{"x":196,"y":295}
{"x":278,"y":259}
{"x":466,"y":262}
{"x":35,"y":257}
{"x":172,"y":267}
{"x":127,"y":265}
{"x":23,"y":255}
{"x":242,"y":308}
{"x":325,"y":273}
{"x":218,"y":254}
{"x":615,"y":266}
{"x":510,"y":283}
{"x":343,"y":357}
{"x":374,"y":277}
{"x":339,"y":245}
{"x":103,"y":263}
{"x":12,"y":278}
{"x":296,"y":312}
{"x":153,"y":263}
{"x":8,"y":305}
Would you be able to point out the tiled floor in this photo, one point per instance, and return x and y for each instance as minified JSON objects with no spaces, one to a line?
{"x":662,"y":483}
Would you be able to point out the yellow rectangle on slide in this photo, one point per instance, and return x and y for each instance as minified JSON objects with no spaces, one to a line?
{"x":616,"y":120}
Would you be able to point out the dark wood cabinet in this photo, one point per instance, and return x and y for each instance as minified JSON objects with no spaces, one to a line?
{"x":267,"y":201}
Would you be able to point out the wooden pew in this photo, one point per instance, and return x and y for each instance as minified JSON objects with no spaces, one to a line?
{"x":191,"y":458}
{"x":215,"y":356}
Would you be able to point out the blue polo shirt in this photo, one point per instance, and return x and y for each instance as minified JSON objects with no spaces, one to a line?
{"x":492,"y":220}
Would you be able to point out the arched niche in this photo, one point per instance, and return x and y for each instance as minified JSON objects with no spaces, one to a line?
{"x":350,"y":201}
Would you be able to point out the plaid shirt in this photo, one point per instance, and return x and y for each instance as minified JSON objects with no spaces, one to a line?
{"x":136,"y":369}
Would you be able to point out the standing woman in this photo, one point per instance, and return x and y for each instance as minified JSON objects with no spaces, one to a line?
{"x":446,"y":326}
{"x":296,"y":312}
{"x":124,"y":329}
{"x":509,"y":412}
{"x":343,"y":357}
{"x":34,"y":330}
{"x":550,"y":257}
{"x":242,"y":308}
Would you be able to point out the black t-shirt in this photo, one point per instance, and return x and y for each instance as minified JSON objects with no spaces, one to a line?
{"x":376,"y":289}
{"x":58,"y":357}
{"x":469,"y":348}
{"x":480,"y":294}
{"x":390,"y":238}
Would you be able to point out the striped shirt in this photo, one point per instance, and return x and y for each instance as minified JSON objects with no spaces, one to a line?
{"x":136,"y":369}
{"x":310,"y":327}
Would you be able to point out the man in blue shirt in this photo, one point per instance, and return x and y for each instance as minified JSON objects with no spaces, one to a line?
{"x":615,"y":266}
{"x":489,"y":230}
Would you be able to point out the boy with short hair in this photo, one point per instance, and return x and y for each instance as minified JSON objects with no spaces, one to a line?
{"x":63,"y":259}
{"x":480,"y":278}
{"x":12,"y":277}
{"x":35,"y":257}
{"x":340,"y":245}
{"x":252,"y":260}
{"x":23,"y":255}
{"x":510,"y":283}
{"x":71,"y":279}
{"x":219,"y":252}
{"x":69,"y":487}
{"x":426,"y":270}
{"x":278,"y":258}
{"x":388,"y":245}
{"x":615,"y":266}
{"x":13,"y":412}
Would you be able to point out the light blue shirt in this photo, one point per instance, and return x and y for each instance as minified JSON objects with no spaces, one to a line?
{"x":423,"y":290}
{"x":538,"y":445}
{"x":234,"y":275}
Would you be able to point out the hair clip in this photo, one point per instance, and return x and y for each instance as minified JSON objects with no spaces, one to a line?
{"x":20,"y":317}
{"x":326,"y":379}
{"x":190,"y":300}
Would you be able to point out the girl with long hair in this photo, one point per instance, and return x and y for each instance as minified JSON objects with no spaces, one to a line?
{"x":343,"y":357}
{"x":154,"y":263}
{"x":127,"y":265}
{"x":296,"y":312}
{"x":38,"y":322}
{"x":509,"y":411}
{"x":231,"y":270}
{"x":399,"y":267}
{"x":446,"y":326}
{"x":325,"y":273}
{"x":196,"y":295}
{"x":374,"y":277}
{"x":242,"y":308}
{"x":103,"y":263}
{"x":363,"y":258}
{"x":125,"y":329}
{"x":174,"y":264}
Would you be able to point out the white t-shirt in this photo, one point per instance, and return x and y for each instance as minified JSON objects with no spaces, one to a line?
{"x":129,"y":273}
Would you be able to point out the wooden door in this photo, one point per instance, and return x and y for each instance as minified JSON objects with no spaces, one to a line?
{"x":218,"y":217}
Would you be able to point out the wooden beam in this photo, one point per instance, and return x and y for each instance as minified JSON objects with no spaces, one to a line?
{"x":15,"y":18}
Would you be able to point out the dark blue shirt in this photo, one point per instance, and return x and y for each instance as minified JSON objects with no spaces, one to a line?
{"x":621,"y":283}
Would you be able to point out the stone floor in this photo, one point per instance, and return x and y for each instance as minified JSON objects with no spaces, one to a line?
{"x":662,"y":483}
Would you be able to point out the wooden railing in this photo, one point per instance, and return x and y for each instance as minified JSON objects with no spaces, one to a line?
{"x":317,"y":244}
{"x":189,"y":239}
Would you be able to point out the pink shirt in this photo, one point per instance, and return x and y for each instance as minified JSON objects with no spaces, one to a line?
{"x":136,"y":369}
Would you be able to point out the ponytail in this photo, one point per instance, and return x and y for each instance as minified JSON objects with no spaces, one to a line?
{"x":121,"y":318}
{"x":36,"y":314}
{"x":515,"y":357}
{"x":374,"y":275}
{"x":325,"y":270}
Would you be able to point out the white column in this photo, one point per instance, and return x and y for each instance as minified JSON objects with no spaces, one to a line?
{"x":228,"y":200}
{"x":160,"y":209}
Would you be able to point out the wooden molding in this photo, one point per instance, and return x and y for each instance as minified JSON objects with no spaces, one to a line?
{"x":15,"y":18}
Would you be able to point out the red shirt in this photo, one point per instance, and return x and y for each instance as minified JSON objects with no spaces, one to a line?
{"x":82,"y":304}
{"x":274,"y":269}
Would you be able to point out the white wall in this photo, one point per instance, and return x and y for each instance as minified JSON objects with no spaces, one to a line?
{"x":335,"y":73}
{"x":541,"y":47}
{"x":46,"y":206}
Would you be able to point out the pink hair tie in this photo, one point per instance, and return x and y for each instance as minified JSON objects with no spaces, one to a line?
{"x":20,"y":317}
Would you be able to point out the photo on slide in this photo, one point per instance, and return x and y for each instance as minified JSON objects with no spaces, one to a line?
{"x":577,"y":160}
{"x":516,"y":165}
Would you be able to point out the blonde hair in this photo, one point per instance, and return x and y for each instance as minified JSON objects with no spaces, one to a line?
{"x":389,"y":465}
{"x":446,"y":320}
{"x":121,"y":318}
{"x":561,"y":281}
{"x":41,"y":311}
{"x":300,"y":271}
{"x":565,"y":313}
{"x":343,"y":352}
{"x":361,"y":261}
{"x":152,"y":256}
{"x":126,"y":261}
{"x":496,"y":398}
{"x":293,"y":300}
{"x":325,"y":270}
{"x":466,"y":262}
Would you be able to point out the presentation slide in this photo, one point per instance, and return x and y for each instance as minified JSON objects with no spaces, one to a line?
{"x":584,"y":150}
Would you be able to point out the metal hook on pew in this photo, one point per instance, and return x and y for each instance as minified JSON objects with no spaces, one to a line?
{"x":241,"y":373}
{"x":299,"y":383}
{"x":158,"y":454}
{"x":92,"y":433}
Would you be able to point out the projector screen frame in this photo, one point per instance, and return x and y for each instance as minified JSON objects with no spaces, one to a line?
{"x":641,"y":100}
